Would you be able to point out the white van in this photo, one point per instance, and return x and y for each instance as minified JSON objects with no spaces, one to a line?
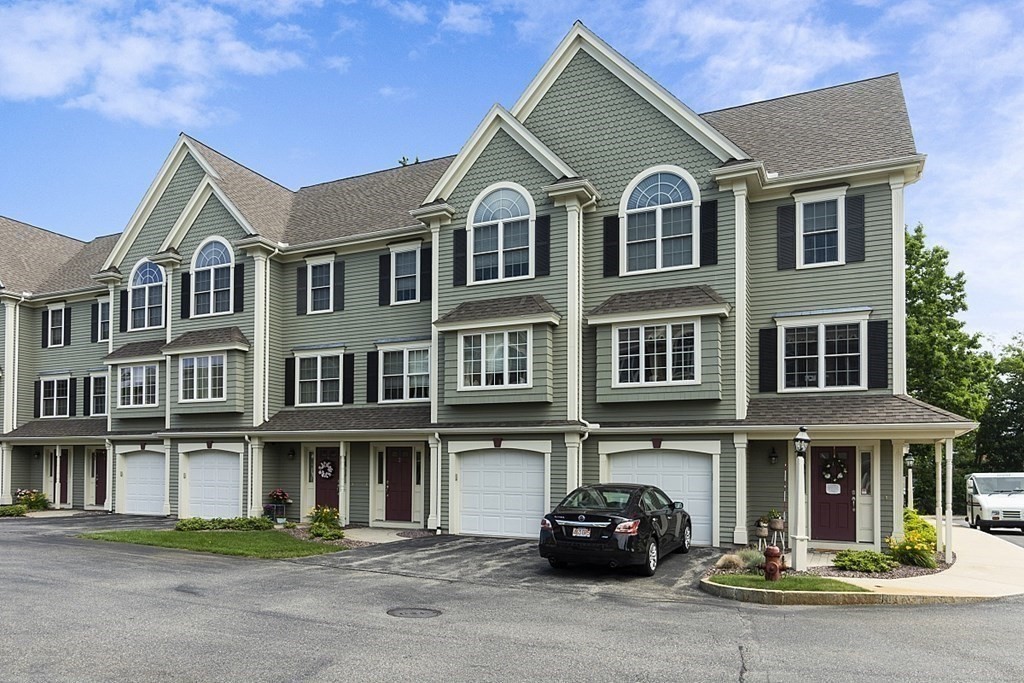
{"x":995,"y":499}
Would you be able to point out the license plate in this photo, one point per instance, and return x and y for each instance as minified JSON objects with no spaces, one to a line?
{"x":581,"y":531}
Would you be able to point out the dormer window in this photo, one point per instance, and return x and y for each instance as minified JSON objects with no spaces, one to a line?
{"x":212,"y":279}
{"x":146,"y":296}
{"x":657,"y":221}
{"x":501,"y":234}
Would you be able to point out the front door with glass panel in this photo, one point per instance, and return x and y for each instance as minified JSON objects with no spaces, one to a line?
{"x":60,"y":464}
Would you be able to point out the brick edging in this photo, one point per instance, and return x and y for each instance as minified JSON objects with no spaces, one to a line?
{"x":775,"y":597}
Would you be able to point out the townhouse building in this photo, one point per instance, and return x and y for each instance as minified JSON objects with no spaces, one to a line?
{"x":602,"y":285}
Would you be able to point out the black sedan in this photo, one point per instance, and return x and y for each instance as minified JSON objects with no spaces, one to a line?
{"x":615,"y":525}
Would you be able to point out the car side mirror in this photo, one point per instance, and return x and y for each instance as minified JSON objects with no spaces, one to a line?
{"x":677,"y":505}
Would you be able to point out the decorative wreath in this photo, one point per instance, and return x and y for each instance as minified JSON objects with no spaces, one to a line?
{"x":325,"y":469}
{"x":833,"y":470}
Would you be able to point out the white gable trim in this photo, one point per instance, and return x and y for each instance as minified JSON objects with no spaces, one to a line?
{"x":582,"y":38}
{"x":498,"y":118}
{"x":190,"y":213}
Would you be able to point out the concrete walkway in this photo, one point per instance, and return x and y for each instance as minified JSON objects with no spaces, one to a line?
{"x":373,"y":534}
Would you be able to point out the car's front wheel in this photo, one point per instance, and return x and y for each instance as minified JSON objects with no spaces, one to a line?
{"x":687,"y":539}
{"x":650,"y":558}
{"x":557,"y":564}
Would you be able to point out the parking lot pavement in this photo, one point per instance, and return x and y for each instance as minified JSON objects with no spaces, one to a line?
{"x":516,"y":564}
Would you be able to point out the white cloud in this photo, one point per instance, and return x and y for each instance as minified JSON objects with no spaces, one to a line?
{"x":464,"y":17}
{"x":286,"y":33}
{"x":273,"y":8}
{"x":158,"y":66}
{"x":404,"y":10}
{"x":339,"y":64}
{"x":399,"y":93}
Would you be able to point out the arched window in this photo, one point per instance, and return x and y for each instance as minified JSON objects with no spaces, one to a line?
{"x":146,"y":296}
{"x":660,"y":214}
{"x":501,"y":234}
{"x":211,"y":278}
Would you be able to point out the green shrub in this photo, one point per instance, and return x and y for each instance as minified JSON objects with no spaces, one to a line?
{"x":193,"y":524}
{"x":326,"y":531}
{"x":864,"y":561}
{"x":913,"y":549}
{"x":13,"y":510}
{"x":914,"y":523}
{"x":751,"y":557}
{"x":249,"y":524}
{"x":290,"y":525}
{"x":321,"y":514}
{"x":217,"y":523}
{"x":32,"y":499}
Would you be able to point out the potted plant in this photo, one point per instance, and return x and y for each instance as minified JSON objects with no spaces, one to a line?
{"x":775,"y":521}
{"x":761,"y":527}
{"x":280,"y":498}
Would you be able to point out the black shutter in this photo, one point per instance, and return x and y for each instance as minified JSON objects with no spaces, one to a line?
{"x":123,"y":321}
{"x":86,"y":396}
{"x":36,"y":388}
{"x":855,"y":228}
{"x":300,"y":290}
{"x":426,"y":273}
{"x":459,"y":257}
{"x":709,"y":233}
{"x":239,"y":287}
{"x":94,"y":322}
{"x":371,"y":376}
{"x":878,"y":354}
{"x":44,"y":323}
{"x":348,"y":375}
{"x":384,"y":280}
{"x":72,"y":397}
{"x":186,"y":296}
{"x":289,"y":381}
{"x":611,"y":246}
{"x":785,"y":244}
{"x":67,"y":326}
{"x":542,"y":232}
{"x":339,"y":284}
{"x":768,"y":368}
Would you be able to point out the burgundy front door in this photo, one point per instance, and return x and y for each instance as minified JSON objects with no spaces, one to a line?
{"x":99,"y":473}
{"x":833,"y":491}
{"x":59,"y":467}
{"x":326,"y":466}
{"x":398,"y":484}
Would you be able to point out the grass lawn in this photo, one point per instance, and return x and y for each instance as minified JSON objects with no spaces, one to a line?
{"x":787,"y":583}
{"x":272,"y":545}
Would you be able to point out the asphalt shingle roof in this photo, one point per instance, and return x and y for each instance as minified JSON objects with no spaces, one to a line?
{"x":30,"y":255}
{"x":211,"y":337}
{"x":659,"y":299}
{"x":137,"y":350}
{"x":837,"y":126}
{"x":489,"y":309}
{"x":50,"y":428}
{"x":846,"y":409}
{"x":368,"y":418}
{"x":76,"y":271}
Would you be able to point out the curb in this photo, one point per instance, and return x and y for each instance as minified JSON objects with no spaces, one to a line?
{"x":773,"y":597}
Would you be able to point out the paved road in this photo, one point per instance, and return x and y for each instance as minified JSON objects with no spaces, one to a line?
{"x":72,"y":609}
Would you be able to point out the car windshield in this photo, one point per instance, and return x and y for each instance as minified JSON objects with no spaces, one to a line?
{"x":1000,"y":484}
{"x":598,"y":498}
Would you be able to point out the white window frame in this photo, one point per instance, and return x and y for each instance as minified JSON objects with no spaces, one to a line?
{"x":156,"y":395}
{"x":327,"y":260}
{"x":299,"y":357}
{"x":821,"y":322}
{"x":212,"y":291}
{"x":694,"y":220}
{"x":838,"y":194}
{"x":145,"y":290}
{"x":697,"y":356}
{"x":56,"y":329}
{"x":482,"y":333}
{"x":531,"y":237}
{"x":66,"y":379}
{"x":403,"y":249}
{"x":105,"y":376}
{"x":101,"y":303}
{"x":381,"y":350}
{"x":209,"y":377}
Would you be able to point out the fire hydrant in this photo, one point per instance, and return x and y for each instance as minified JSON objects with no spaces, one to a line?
{"x":773,"y":564}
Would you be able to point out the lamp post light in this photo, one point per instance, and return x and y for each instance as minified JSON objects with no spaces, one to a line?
{"x":908,"y":460}
{"x":800,"y":444}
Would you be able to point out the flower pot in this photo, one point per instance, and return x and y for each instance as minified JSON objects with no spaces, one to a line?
{"x":777,"y":524}
{"x":281,"y":520}
{"x":761,"y":531}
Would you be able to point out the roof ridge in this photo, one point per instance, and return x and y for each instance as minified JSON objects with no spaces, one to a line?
{"x":803,"y":92}
{"x":36,"y":227}
{"x":237,"y":163}
{"x":382,"y":170}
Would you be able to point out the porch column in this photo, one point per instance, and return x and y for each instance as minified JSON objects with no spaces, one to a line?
{"x":938,"y":496}
{"x":899,"y":488}
{"x":434,"y":519}
{"x":109,"y":507}
{"x":573,"y":461}
{"x":800,"y":537}
{"x":343,"y":482}
{"x":6,"y":452}
{"x":739,"y":532}
{"x":256,"y":477}
{"x":949,"y":501}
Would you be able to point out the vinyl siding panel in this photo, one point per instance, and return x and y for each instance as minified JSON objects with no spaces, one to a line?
{"x":280,"y":472}
{"x":213,"y":414}
{"x":77,"y":473}
{"x":177,"y":487}
{"x":26,"y":469}
{"x":889,"y":506}
{"x":727,"y":497}
{"x":766,"y":483}
{"x":541,"y":391}
{"x":359,"y":483}
{"x":280,"y":322}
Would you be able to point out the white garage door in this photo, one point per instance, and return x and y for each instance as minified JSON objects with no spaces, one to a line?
{"x":214,"y":488}
{"x":144,"y":484}
{"x":502,"y":493}
{"x":683,"y":476}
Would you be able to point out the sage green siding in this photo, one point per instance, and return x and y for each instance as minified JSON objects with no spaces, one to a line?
{"x":359,"y":483}
{"x":503,"y":160}
{"x":280,"y":321}
{"x":138,"y":417}
{"x":541,"y":377}
{"x":280,"y":472}
{"x":727,"y":495}
{"x":173,"y":479}
{"x":766,"y":483}
{"x":864,"y":283}
{"x":77,"y":474}
{"x":231,"y":412}
{"x":26,"y":469}
{"x":889,"y":505}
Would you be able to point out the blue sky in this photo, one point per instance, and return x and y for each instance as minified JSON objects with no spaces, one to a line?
{"x":94,"y":92}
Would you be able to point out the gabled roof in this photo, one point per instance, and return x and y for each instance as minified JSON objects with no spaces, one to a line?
{"x":76,"y":272}
{"x":833,"y":127}
{"x":29,"y":255}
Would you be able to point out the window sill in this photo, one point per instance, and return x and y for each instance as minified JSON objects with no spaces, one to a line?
{"x":138,"y":407}
{"x":474,"y":283}
{"x":810,"y":390}
{"x":211,"y":315}
{"x":326,"y":310}
{"x":399,"y":401}
{"x":625,"y":273}
{"x":143,"y":329}
{"x":812,"y":266}
{"x":189,"y":401}
{"x":646,"y":385}
{"x":497,"y":387}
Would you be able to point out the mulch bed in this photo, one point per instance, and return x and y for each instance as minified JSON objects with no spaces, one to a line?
{"x":901,"y":572}
{"x":302,"y":533}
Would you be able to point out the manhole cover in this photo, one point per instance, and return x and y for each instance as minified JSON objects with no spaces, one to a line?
{"x":414,"y":612}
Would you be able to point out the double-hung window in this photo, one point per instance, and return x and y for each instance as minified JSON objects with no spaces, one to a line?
{"x":211,"y":279}
{"x":821,"y":227}
{"x":318,"y":379}
{"x":501,"y":236}
{"x":826,"y":355}
{"x":405,"y":374}
{"x":494,"y":359}
{"x":657,"y":353}
{"x":98,"y":394}
{"x":405,"y":275}
{"x":56,"y":330}
{"x":202,"y":378}
{"x":659,"y":216}
{"x":103,"y":320}
{"x":54,"y":397}
{"x":320,"y":280}
{"x":137,"y":386}
{"x":146,"y":296}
